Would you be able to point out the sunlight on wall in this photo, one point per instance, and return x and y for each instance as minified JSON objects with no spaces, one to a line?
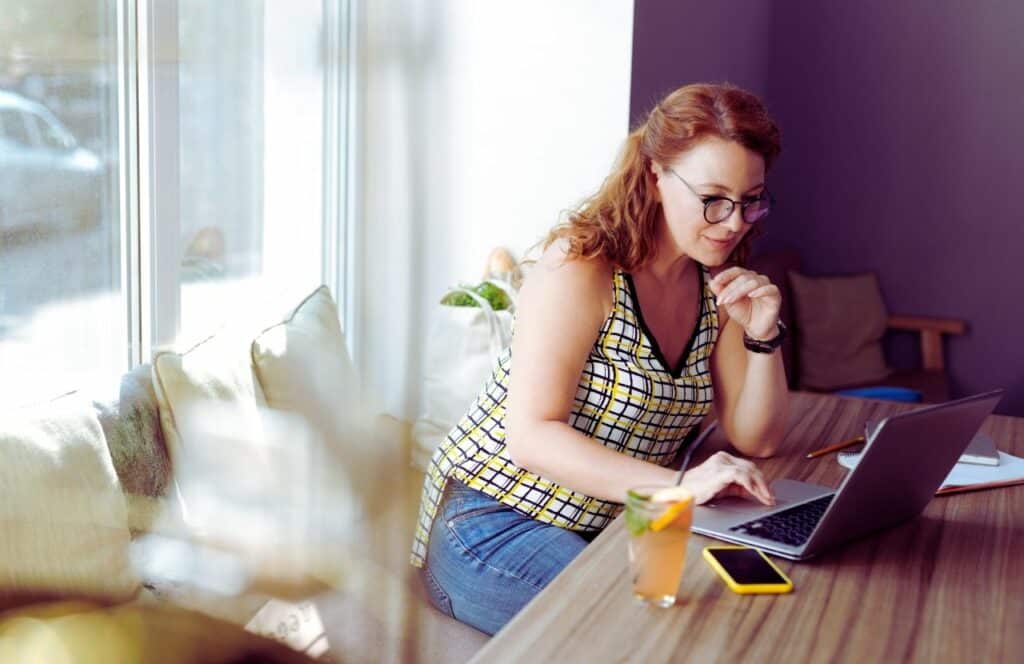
{"x":482,"y":124}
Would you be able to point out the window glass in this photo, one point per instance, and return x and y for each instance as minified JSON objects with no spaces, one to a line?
{"x":49,"y":133}
{"x":62,"y":318}
{"x":237,"y":111}
{"x":250,"y":93}
{"x":14,"y":128}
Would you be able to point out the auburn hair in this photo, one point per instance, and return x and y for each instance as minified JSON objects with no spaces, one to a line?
{"x":620,"y":221}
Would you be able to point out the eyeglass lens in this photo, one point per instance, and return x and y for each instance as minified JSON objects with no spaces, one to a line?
{"x":720,"y":209}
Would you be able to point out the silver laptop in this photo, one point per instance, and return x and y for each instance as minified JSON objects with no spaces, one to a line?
{"x":903,"y":463}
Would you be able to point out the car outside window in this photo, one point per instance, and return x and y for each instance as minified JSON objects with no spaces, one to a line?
{"x":49,"y":134}
{"x":14,"y":129}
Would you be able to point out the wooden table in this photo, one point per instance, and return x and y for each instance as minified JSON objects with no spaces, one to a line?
{"x":945,"y":587}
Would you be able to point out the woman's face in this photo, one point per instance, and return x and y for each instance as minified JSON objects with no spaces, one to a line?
{"x":713,"y":167}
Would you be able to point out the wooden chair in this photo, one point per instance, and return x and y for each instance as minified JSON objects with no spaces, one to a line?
{"x":929,"y":377}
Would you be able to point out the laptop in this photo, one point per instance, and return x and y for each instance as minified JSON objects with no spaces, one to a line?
{"x":981,"y":451}
{"x":904,"y":462}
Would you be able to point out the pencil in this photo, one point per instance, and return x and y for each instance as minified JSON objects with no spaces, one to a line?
{"x":963,"y":488}
{"x":835,"y":448}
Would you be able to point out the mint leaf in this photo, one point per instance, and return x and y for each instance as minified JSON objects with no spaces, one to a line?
{"x":635,"y":523}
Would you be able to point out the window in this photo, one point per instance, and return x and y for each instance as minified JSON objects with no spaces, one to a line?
{"x":165,"y":164}
{"x":51,"y":135}
{"x":248,"y":141}
{"x":14,"y":129}
{"x":61,"y":288}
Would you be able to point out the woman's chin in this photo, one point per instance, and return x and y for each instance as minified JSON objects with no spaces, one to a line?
{"x":711,"y":258}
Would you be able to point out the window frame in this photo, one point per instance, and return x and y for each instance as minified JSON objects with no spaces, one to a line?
{"x":149,"y":152}
{"x":342,"y":234}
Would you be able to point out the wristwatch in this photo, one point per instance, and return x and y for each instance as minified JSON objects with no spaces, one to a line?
{"x":768,"y":345}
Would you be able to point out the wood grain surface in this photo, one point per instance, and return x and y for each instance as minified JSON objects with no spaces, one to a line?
{"x":945,"y":587}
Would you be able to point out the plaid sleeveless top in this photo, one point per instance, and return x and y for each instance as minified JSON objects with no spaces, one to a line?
{"x":628,"y":399}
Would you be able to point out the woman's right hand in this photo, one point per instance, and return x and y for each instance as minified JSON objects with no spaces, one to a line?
{"x":726,"y":475}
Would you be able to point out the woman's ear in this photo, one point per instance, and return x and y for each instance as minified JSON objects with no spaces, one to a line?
{"x":656,"y":171}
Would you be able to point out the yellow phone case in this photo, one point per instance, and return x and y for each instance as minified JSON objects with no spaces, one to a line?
{"x":747,"y":588}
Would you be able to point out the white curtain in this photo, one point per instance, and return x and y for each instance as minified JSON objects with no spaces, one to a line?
{"x":479,"y":123}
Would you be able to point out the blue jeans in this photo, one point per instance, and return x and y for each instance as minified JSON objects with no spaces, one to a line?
{"x":485,"y":560}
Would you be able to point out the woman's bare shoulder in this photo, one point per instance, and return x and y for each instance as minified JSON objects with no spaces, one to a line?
{"x":558,"y":274}
{"x":590,"y":272}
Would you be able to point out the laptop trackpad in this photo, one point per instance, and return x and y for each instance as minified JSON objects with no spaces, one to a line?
{"x":725,"y":512}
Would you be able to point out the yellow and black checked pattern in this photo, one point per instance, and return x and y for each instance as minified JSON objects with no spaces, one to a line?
{"x":628,"y":399}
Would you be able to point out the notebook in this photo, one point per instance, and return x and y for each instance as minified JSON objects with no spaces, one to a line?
{"x":1010,"y":470}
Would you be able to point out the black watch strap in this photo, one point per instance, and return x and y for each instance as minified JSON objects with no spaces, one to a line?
{"x":767,"y":345}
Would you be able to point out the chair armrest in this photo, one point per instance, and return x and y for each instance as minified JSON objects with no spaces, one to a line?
{"x":931,"y":331}
{"x":923,"y":323}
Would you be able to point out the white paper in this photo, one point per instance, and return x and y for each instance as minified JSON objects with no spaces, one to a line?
{"x":298,"y":626}
{"x":1009,"y":468}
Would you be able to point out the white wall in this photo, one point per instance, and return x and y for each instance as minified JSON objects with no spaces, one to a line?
{"x":480,"y":123}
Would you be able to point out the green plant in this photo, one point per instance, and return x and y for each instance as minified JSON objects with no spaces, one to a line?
{"x":496,"y":297}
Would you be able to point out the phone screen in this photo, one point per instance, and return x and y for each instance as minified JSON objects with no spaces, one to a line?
{"x":747,"y":566}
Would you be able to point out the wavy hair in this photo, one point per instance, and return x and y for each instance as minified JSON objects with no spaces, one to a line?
{"x":620,"y":221}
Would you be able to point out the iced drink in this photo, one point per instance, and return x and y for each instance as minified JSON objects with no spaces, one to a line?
{"x":658,"y":519}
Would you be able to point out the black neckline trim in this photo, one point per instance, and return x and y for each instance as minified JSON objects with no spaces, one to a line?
{"x":676,"y":371}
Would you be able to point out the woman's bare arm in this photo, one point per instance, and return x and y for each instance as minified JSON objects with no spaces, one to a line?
{"x":751,"y":395}
{"x":561,"y":309}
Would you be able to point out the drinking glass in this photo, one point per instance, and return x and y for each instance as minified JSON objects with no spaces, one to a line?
{"x":658,"y":520}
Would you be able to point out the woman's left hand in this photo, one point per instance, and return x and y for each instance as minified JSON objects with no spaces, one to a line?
{"x":750,"y":299}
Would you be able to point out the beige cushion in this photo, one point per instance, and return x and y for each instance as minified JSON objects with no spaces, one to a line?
{"x":841,"y":321}
{"x":236,"y":469}
{"x":214,"y":375}
{"x":304,"y":369}
{"x":262,"y":465}
{"x":303,"y":365}
{"x":63,"y":521}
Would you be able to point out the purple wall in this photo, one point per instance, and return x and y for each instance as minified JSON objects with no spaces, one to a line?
{"x":683,"y":42}
{"x":903,"y":149}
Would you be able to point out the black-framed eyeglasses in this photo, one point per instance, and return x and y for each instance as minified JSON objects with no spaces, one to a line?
{"x":718,"y":208}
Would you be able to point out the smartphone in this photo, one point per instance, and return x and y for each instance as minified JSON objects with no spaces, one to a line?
{"x":746,"y":571}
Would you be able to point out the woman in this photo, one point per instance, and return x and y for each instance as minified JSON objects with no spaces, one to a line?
{"x":623,"y":326}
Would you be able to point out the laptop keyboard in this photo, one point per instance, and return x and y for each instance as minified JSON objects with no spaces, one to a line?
{"x":792,"y":526}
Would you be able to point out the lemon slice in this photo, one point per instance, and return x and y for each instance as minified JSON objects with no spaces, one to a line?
{"x":681,"y":500}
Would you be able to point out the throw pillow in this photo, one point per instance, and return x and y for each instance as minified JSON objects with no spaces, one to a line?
{"x":63,"y":521}
{"x":841,"y":320}
{"x":303,"y":366}
{"x":131,"y":425}
{"x":212,"y":379}
{"x":304,"y":369}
